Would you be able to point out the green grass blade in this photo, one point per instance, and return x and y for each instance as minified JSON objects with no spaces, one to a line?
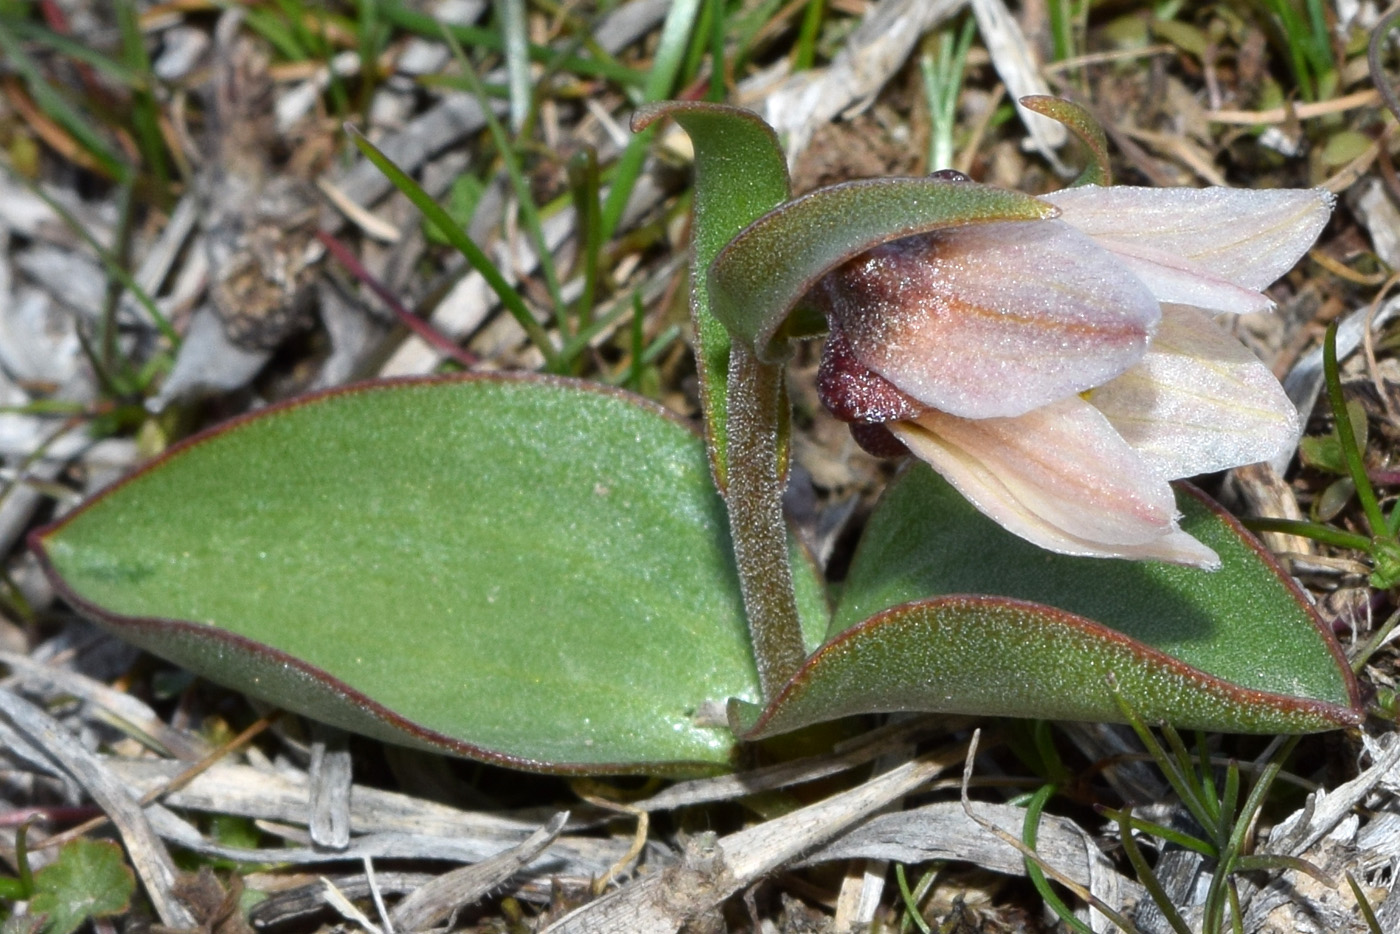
{"x":1149,"y":880}
{"x":1364,"y":903}
{"x":1029,"y":829}
{"x":72,"y":49}
{"x":911,"y":904}
{"x":1170,"y":834}
{"x":109,"y":262}
{"x":583,"y":184}
{"x":49,"y":100}
{"x":479,"y":261}
{"x":397,"y":14}
{"x":145,"y":111}
{"x":670,"y":52}
{"x":805,"y":54}
{"x":524,"y":197}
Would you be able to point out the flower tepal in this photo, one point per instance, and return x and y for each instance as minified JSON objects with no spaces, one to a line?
{"x":1060,"y":372}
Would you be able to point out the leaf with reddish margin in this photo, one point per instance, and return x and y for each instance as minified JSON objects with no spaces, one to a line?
{"x":529,"y":571}
{"x":1235,"y":650}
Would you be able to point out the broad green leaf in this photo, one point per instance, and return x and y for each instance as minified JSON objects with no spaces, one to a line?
{"x":740,"y":172}
{"x":757,"y":279}
{"x":946,"y":611}
{"x":529,"y":571}
{"x":90,"y":879}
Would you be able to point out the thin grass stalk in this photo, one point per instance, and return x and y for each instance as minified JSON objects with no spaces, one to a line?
{"x":1149,"y":880}
{"x":1313,"y":530}
{"x":145,"y":114}
{"x":911,"y":904}
{"x":1205,"y":774}
{"x":719,"y":66}
{"x":56,"y":107}
{"x":107,"y":338}
{"x":1356,"y":467}
{"x":397,"y":14}
{"x":524,"y":197}
{"x":1168,"y":834}
{"x":69,"y":48}
{"x":1204,"y":807}
{"x":1231,"y":797}
{"x":805,"y":53}
{"x":370,"y":32}
{"x":1029,"y":829}
{"x":1376,"y":640}
{"x":109,"y":262}
{"x":942,"y":82}
{"x":670,"y":53}
{"x":1236,"y":915}
{"x":1172,"y":768}
{"x":920,"y":892}
{"x":697,"y":47}
{"x":440,"y":219}
{"x":635,"y":364}
{"x":1364,"y":903}
{"x":583,"y":178}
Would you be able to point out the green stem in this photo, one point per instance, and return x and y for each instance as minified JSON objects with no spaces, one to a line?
{"x":1353,"y":454}
{"x":755,"y":500}
{"x":1313,"y":530}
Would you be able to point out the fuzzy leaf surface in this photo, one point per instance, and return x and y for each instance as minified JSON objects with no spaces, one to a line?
{"x":945,"y":611}
{"x":530,"y":571}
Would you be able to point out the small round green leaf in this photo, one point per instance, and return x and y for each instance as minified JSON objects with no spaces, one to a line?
{"x":89,"y":879}
{"x":530,"y":571}
{"x":946,"y":611}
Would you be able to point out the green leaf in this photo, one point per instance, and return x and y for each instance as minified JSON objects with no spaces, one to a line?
{"x":1236,"y":649}
{"x":757,"y":279}
{"x":740,"y":173}
{"x":530,"y":571}
{"x":90,"y":879}
{"x":1324,"y":452}
{"x":1079,"y":121}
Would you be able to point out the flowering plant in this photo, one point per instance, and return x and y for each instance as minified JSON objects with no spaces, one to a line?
{"x":1060,"y":372}
{"x":554,"y":575}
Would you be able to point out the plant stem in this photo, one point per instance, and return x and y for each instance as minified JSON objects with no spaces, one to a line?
{"x":1356,"y":466}
{"x":755,"y":500}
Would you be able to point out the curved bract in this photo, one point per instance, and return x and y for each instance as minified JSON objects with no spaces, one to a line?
{"x":740,"y":172}
{"x":530,"y":571}
{"x":756,"y":280}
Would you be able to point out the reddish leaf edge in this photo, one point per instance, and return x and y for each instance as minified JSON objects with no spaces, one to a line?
{"x":1294,"y":589}
{"x":750,"y":728}
{"x":137,"y":629}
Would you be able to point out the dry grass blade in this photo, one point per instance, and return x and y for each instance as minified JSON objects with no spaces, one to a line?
{"x":712,"y":870}
{"x":118,"y":705}
{"x":1324,"y":810}
{"x":179,"y":781}
{"x":331,"y":782}
{"x":435,"y":902}
{"x":875,"y":52}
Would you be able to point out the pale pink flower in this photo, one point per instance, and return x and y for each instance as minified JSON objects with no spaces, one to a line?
{"x":1059,"y":373}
